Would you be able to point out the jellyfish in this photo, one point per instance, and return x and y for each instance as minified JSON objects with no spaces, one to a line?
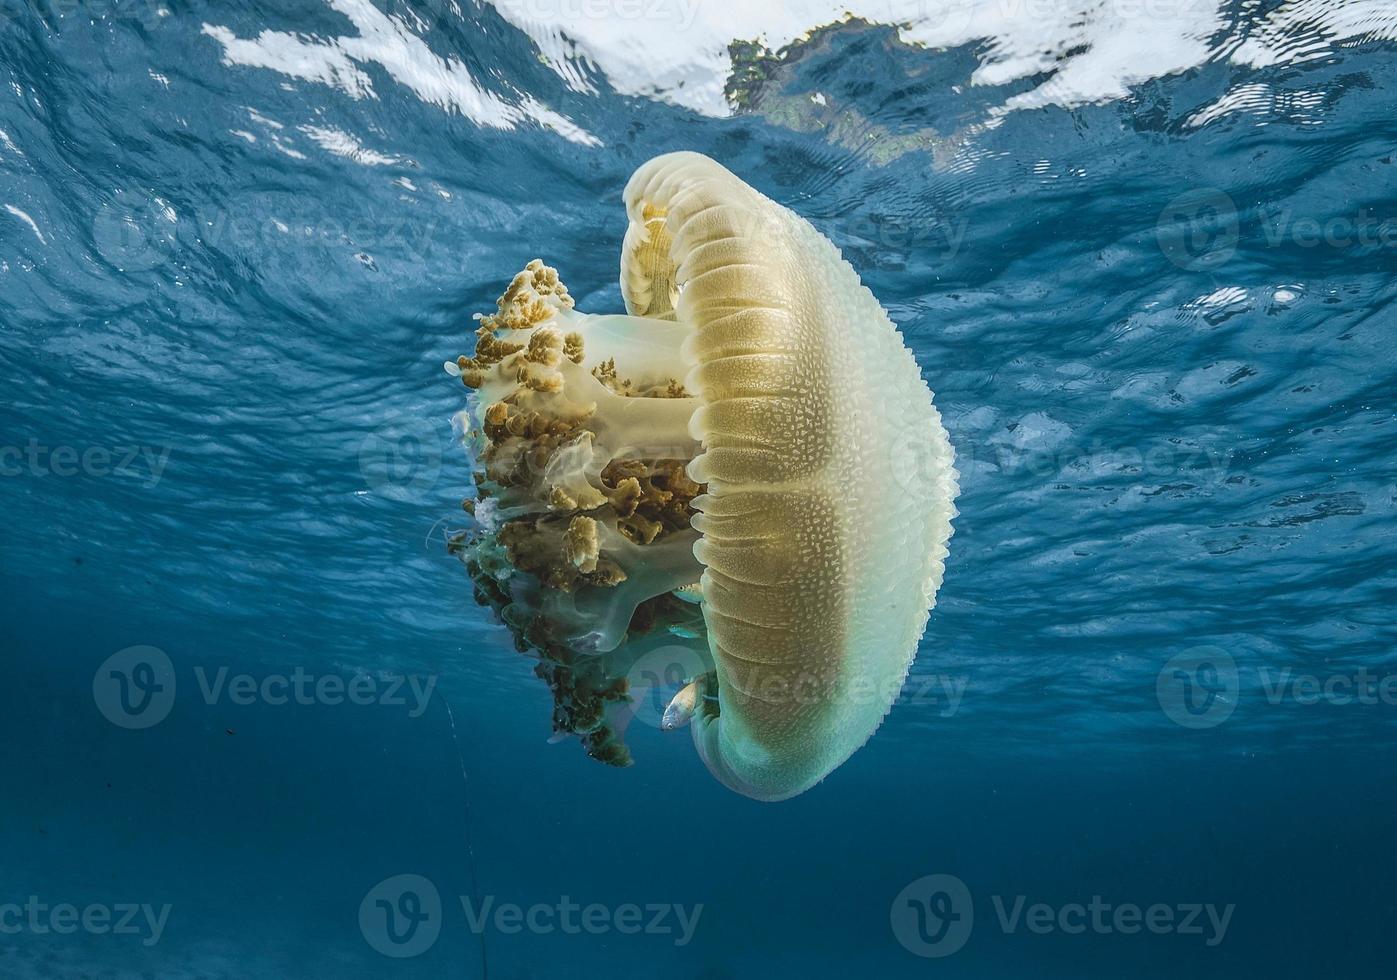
{"x":747,"y":463}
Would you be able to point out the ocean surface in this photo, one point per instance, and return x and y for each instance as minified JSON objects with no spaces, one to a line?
{"x":1144,"y":252}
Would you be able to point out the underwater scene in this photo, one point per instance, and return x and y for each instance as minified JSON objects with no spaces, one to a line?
{"x":551,"y":489}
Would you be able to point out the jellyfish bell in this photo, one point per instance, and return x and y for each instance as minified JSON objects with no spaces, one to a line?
{"x":726,"y":465}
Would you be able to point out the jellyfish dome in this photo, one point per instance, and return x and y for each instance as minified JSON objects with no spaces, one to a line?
{"x":748,"y":464}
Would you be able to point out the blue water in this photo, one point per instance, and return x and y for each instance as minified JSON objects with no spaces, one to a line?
{"x":1163,"y":343}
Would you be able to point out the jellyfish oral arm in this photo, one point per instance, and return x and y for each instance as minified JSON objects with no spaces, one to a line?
{"x":584,"y":430}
